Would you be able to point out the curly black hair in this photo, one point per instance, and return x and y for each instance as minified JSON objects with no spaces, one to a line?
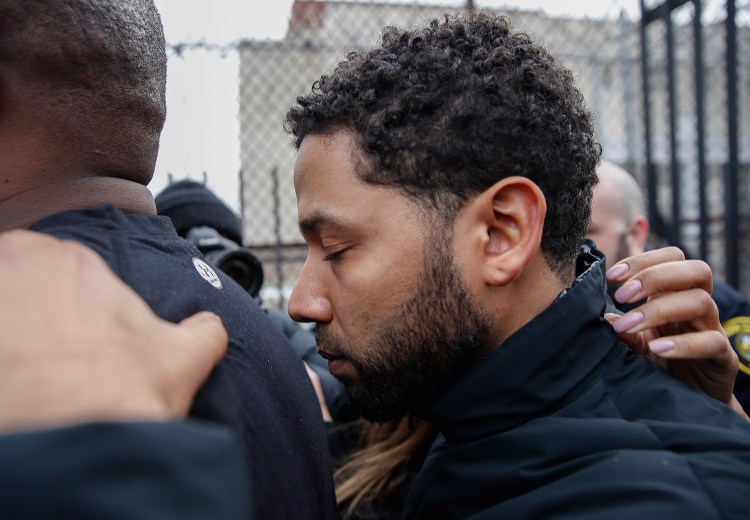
{"x":446,"y":110}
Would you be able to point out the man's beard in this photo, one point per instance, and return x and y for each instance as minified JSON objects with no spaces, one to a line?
{"x":623,"y":251}
{"x":432,"y":337}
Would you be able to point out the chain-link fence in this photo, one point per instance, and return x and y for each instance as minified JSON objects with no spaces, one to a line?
{"x":603,"y":51}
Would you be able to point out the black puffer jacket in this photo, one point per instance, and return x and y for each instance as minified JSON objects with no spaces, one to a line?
{"x":562,"y":421}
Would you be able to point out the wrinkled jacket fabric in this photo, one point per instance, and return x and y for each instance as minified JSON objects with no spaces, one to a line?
{"x":562,"y":421}
{"x":260,"y":389}
{"x":121,"y":471}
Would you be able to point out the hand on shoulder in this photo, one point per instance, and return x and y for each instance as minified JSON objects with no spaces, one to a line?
{"x":78,"y":345}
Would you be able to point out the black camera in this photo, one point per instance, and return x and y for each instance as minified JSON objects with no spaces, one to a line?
{"x":237,"y":262}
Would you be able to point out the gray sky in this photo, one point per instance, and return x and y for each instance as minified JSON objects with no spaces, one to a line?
{"x":201,"y":134}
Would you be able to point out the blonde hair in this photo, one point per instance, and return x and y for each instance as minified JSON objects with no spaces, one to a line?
{"x":375,"y":470}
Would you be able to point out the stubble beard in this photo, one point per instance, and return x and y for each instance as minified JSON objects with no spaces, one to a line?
{"x":430,"y":339}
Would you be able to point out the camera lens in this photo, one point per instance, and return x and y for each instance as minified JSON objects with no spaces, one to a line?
{"x":242,"y":266}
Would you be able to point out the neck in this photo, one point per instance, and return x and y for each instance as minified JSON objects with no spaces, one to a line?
{"x":524,"y":298}
{"x":21,"y":206}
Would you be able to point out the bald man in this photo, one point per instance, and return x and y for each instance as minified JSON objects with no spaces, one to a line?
{"x":618,"y":216}
{"x":82,"y":105}
{"x":620,"y":228}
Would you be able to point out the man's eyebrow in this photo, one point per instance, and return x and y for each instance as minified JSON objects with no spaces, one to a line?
{"x":316,"y":220}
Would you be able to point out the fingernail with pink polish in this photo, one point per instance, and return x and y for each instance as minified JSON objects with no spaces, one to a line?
{"x":617,"y":271}
{"x":627,"y":322}
{"x":661,"y":345}
{"x":628,"y":290}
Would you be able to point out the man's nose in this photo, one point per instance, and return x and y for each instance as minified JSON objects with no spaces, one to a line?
{"x":309,"y":302}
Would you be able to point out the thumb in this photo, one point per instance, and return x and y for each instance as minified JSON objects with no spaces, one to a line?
{"x":200,"y":345}
{"x":210,"y":334}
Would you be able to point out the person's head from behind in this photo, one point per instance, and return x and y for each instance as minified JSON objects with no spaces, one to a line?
{"x":439,"y":178}
{"x":618,"y":216}
{"x":82,"y":89}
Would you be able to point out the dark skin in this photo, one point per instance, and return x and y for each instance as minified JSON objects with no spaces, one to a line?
{"x":39,"y":176}
{"x":82,"y":106}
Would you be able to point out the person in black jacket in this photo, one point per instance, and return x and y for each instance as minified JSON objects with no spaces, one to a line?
{"x":83,"y":105}
{"x":89,"y":432}
{"x":620,"y":228}
{"x":444,"y":182}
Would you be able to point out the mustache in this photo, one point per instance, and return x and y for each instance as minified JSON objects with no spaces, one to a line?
{"x":330,"y":343}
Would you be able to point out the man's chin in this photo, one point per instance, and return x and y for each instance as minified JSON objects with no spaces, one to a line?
{"x":374,"y":408}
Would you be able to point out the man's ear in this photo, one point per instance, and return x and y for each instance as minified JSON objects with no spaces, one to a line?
{"x":513,"y":215}
{"x":638,"y":235}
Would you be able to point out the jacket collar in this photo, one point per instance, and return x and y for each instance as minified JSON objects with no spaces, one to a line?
{"x":536,"y":367}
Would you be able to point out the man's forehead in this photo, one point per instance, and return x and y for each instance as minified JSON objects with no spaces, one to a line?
{"x":332,"y":198}
{"x":322,"y":155}
{"x":606,"y":197}
{"x":317,"y":219}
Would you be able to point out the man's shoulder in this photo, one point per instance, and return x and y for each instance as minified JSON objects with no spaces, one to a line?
{"x":117,"y":237}
{"x":260,"y":388}
{"x":627,"y":428}
{"x":621,"y":484}
{"x":148,"y":255}
{"x":552,"y":465}
{"x":176,"y":281}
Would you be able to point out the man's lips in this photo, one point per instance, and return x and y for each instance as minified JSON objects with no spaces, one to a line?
{"x":337,"y":365}
{"x":328,"y":355}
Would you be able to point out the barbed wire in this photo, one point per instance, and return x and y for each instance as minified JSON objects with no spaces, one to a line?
{"x":223,"y":49}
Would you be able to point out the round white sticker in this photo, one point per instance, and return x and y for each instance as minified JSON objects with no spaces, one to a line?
{"x":207,"y":272}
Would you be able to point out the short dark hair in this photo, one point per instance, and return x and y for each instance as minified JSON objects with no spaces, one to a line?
{"x":96,"y":69}
{"x":445,"y":110}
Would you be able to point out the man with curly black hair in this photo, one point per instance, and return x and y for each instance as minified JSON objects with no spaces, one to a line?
{"x":444,"y":184}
